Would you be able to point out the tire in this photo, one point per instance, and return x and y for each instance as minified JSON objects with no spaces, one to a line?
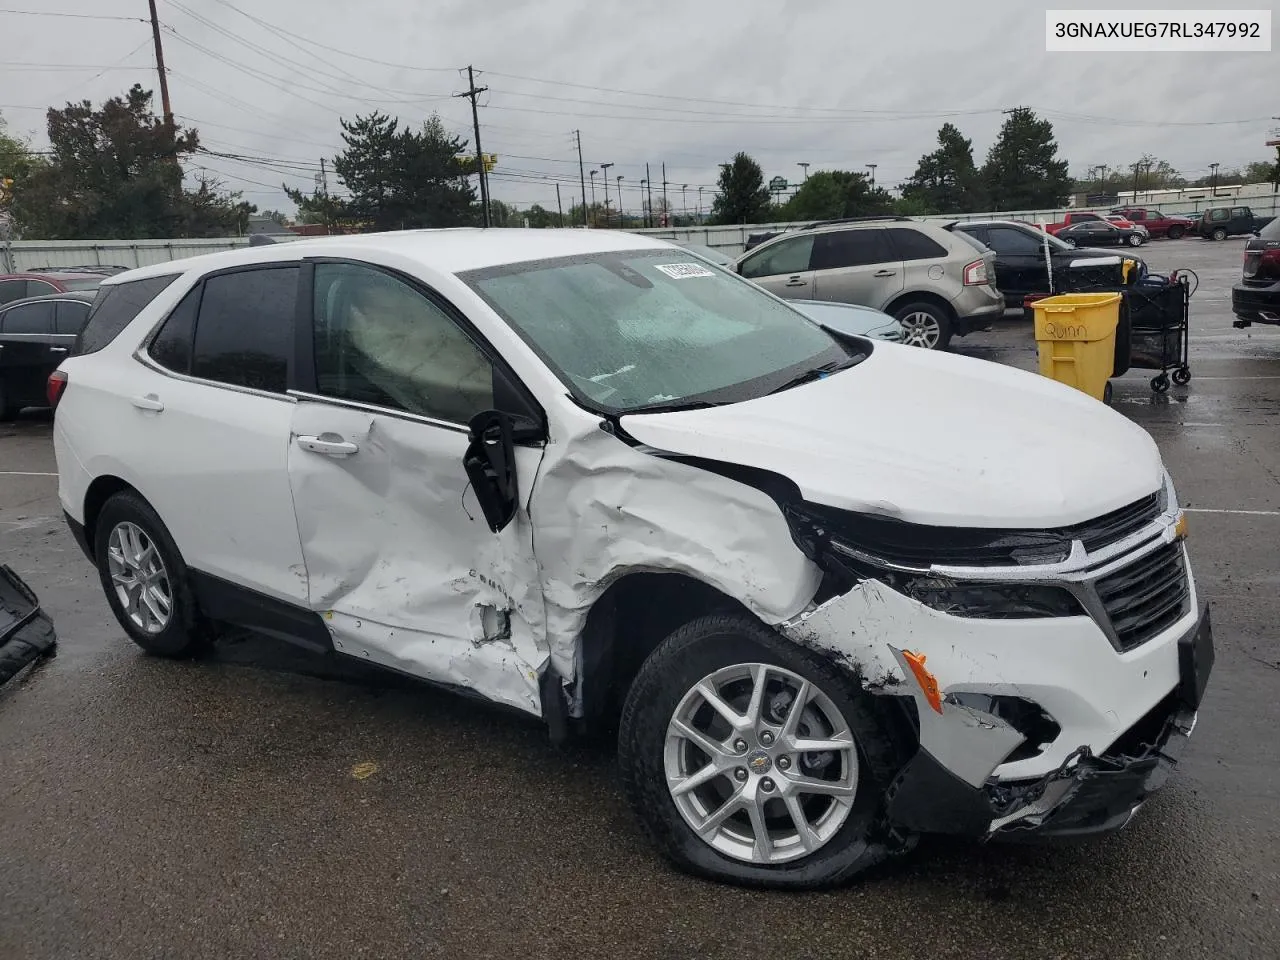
{"x":1182,"y":376}
{"x":1160,"y":384}
{"x":1068,"y":241}
{"x":924,"y":325}
{"x":1135,"y":240}
{"x":666,"y":682}
{"x":183,"y":632}
{"x":1107,"y":393}
{"x":1175,"y":233}
{"x":1219,"y":234}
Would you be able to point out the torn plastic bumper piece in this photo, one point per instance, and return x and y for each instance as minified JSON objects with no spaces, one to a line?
{"x":1086,"y":795}
{"x":26,"y":631}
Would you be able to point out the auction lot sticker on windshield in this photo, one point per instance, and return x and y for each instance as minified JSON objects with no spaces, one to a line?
{"x":682,"y":271}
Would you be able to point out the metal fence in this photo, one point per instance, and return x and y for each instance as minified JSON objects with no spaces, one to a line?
{"x":25,"y":254}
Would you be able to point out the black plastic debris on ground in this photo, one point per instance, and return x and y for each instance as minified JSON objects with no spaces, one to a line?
{"x":26,"y":632}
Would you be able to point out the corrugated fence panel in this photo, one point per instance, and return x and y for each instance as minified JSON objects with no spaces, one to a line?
{"x":124,"y":253}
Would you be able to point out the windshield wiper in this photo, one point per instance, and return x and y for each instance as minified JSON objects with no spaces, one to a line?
{"x":815,"y":373}
{"x":672,"y":407}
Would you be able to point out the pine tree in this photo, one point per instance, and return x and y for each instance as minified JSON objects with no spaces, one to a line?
{"x":743,"y":197}
{"x":1023,"y":171}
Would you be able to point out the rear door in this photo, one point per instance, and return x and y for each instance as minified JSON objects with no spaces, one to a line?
{"x":26,"y":356}
{"x":783,"y":267}
{"x":857,"y":266}
{"x":1241,"y":220}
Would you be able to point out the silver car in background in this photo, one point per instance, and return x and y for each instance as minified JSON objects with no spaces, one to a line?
{"x":934,"y":283}
{"x":851,"y":320}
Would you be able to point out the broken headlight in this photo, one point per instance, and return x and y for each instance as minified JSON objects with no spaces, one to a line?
{"x":990,"y":601}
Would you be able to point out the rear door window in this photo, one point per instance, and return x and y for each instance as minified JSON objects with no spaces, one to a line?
{"x":244,"y":329}
{"x":853,"y":248}
{"x":115,"y":308}
{"x":1222,"y":213}
{"x":1013,"y":242}
{"x":11,"y":290}
{"x":69,"y":317}
{"x":29,"y":318}
{"x":1240,"y":212}
{"x":171,"y":346}
{"x":914,"y":245}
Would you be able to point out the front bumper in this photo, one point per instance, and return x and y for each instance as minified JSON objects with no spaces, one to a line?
{"x":1088,"y":794}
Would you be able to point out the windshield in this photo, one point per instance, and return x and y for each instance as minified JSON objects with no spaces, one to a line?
{"x":654,"y":328}
{"x":707,"y":253}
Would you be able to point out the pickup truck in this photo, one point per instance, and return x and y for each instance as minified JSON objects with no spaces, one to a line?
{"x":1218,"y":223}
{"x":1071,"y":219}
{"x":1157,"y":224}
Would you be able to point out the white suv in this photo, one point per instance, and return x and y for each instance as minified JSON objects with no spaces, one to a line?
{"x":586,"y":475}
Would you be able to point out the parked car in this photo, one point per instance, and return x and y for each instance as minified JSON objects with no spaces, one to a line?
{"x":35,"y":336}
{"x":20,"y":286}
{"x":574,"y":473}
{"x":1100,"y":233}
{"x":1256,"y":298}
{"x":710,"y":254}
{"x":1020,"y":256}
{"x":90,"y":268}
{"x":1116,"y":220}
{"x":1071,"y":219}
{"x":1156,"y":223}
{"x":851,"y":320}
{"x":935,"y":284}
{"x":1218,"y":223}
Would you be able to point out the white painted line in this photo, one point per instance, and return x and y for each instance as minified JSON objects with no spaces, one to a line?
{"x":1243,"y":513}
{"x":1266,"y":377}
{"x":20,"y":473}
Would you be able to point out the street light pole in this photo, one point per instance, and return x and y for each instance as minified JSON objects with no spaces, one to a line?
{"x":1213,"y":179}
{"x":700,"y":189}
{"x":872,"y":168}
{"x":684,"y":202}
{"x":593,"y":186}
{"x":645,"y":214}
{"x":805,"y":168}
{"x":605,"y":168}
{"x":622,"y":215}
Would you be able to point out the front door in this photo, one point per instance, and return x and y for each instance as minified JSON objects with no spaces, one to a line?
{"x":400,"y":561}
{"x":782,"y":267}
{"x":27,"y":353}
{"x":857,"y":266}
{"x":1020,"y":262}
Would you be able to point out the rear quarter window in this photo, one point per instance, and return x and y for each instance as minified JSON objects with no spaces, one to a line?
{"x":914,"y":245}
{"x":115,"y":308}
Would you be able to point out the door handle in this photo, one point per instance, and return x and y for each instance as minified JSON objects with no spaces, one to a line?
{"x":149,"y":402}
{"x":796,"y":282}
{"x":330,"y":444}
{"x":885,"y":273}
{"x":57,"y":349}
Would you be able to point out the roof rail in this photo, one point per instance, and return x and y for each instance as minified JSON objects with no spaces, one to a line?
{"x":828,"y":223}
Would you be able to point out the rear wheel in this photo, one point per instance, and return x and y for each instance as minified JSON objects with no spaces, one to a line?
{"x":145,"y":579}
{"x":924,"y":325}
{"x":1175,"y":233}
{"x":751,"y":760}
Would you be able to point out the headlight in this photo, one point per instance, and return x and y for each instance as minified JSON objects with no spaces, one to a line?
{"x":987,"y":601}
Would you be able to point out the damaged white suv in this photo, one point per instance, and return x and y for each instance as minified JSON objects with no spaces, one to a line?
{"x":587,"y":476}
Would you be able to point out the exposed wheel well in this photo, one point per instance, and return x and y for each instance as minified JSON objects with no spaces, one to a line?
{"x":921,"y":297}
{"x":634,"y":615}
{"x":100,"y":491}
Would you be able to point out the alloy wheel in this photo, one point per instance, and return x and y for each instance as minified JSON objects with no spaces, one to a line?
{"x":920,"y":329}
{"x":760,"y":763}
{"x":139,"y":577}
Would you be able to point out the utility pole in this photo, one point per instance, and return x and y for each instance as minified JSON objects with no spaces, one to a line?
{"x":665,"y":208}
{"x":684,"y":203}
{"x":559,"y":208}
{"x":805,"y":168}
{"x":472,"y":93}
{"x":164,"y":80}
{"x":581,"y":182}
{"x":649,"y":182}
{"x":622,"y":211}
{"x":1136,"y":168}
{"x":1213,"y":179}
{"x":872,"y":168}
{"x":605,"y":167}
{"x":700,"y":189}
{"x":593,"y":186}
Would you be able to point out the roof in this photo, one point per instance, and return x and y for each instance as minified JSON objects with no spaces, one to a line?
{"x":454,"y":250}
{"x":51,"y":275}
{"x":85,"y":296}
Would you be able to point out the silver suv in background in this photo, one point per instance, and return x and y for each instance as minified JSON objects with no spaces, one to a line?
{"x":933,"y":282}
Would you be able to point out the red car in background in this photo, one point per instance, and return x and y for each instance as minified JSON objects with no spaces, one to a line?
{"x":19,"y":286}
{"x":1071,"y":219}
{"x":1157,"y":224}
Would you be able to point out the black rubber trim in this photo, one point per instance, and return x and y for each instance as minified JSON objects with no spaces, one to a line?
{"x":80,"y":537}
{"x":231,"y":603}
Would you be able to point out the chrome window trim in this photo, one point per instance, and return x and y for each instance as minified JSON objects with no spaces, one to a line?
{"x":141,"y":355}
{"x":385,"y":411}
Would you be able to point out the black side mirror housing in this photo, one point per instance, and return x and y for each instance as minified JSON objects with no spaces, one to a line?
{"x":490,"y":462}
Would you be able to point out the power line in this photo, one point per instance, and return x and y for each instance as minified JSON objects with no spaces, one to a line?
{"x":74,"y":16}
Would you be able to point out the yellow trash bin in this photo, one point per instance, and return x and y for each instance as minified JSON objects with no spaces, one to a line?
{"x":1076,"y":339}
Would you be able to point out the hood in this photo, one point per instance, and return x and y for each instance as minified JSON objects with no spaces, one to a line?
{"x":929,"y":438}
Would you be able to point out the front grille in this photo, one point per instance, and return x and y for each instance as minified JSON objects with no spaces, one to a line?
{"x":1147,"y":597}
{"x":1117,"y":525}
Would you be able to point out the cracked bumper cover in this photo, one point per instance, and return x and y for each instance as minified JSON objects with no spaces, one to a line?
{"x":1121,"y":734}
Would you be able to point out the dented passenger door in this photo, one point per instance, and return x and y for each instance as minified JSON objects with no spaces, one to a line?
{"x":401,"y":562}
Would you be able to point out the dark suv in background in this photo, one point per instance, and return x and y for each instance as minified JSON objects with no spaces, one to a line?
{"x":36,"y":335}
{"x":1256,"y":298}
{"x":35,"y":283}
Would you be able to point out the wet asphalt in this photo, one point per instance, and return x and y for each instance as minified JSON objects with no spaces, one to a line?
{"x":210,"y":809}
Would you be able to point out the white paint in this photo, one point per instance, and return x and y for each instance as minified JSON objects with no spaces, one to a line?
{"x":24,"y":473}
{"x":1243,"y":513}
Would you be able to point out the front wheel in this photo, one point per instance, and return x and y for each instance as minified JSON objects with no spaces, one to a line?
{"x":751,"y":760}
{"x":145,"y":579}
{"x":1068,"y":241}
{"x":924,"y":325}
{"x":1220,"y":234}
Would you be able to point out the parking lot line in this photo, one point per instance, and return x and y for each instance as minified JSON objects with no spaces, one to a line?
{"x":24,"y":473}
{"x":1243,"y":513}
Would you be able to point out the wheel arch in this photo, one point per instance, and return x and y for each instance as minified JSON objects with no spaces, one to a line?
{"x":922,"y":296}
{"x":100,"y":490}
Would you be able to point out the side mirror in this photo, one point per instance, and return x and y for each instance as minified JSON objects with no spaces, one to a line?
{"x":490,"y":462}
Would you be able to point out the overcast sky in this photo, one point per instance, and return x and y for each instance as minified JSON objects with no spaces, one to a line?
{"x":829,"y":82}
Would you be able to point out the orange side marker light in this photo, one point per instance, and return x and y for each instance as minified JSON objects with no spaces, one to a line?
{"x":928,"y":682}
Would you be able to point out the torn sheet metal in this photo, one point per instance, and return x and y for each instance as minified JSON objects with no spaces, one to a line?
{"x":401,"y":564}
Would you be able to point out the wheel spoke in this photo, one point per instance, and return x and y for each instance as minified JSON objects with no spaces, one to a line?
{"x":711,"y":823}
{"x":160,"y":598}
{"x":695,"y":780}
{"x":762,"y":849}
{"x":760,"y":677}
{"x":818,"y":746}
{"x":735,"y":719}
{"x":827,"y":788}
{"x":149,"y":601}
{"x":712,"y":748}
{"x":808,"y":838}
{"x":792,"y":722}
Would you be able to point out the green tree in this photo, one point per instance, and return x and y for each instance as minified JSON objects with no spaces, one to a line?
{"x":1263,"y":171}
{"x":946,"y":180}
{"x":396,"y":178}
{"x":17,"y":164}
{"x":276,"y":216}
{"x":831,"y":194}
{"x":539,"y":218}
{"x":742,"y":197}
{"x":912,"y":207}
{"x":596,"y":215}
{"x":503,"y":214}
{"x":114,"y":173}
{"x":1023,"y":171}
